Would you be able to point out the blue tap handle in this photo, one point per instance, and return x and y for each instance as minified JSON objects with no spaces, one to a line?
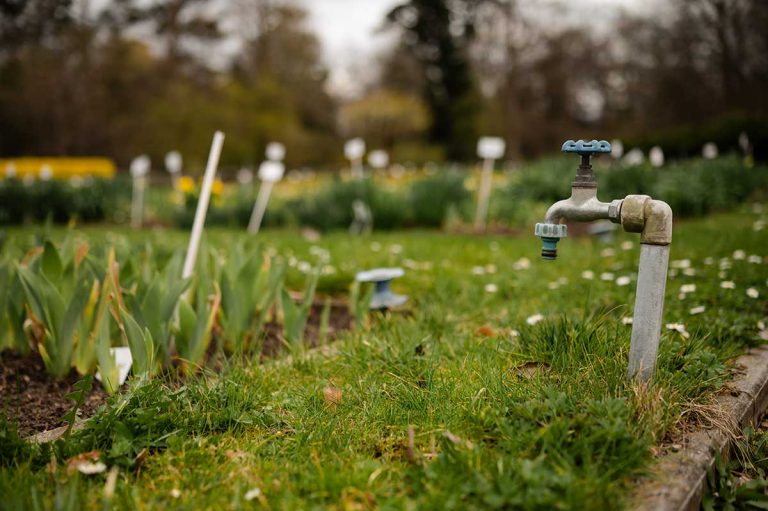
{"x":586,"y":147}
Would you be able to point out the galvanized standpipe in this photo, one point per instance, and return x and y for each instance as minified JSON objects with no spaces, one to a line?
{"x":636,"y":213}
{"x":653,"y":220}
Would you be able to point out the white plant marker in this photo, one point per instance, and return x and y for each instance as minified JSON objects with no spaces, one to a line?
{"x":275,"y":151}
{"x":634,"y":157}
{"x":173,"y":163}
{"x":269,"y":173}
{"x":139,"y":170}
{"x":656,"y":156}
{"x":123,"y":361}
{"x":489,"y":149}
{"x":617,"y":149}
{"x":378,"y":159}
{"x":354,"y":149}
{"x":46,"y":172}
{"x":202,"y":204}
{"x":709,"y":151}
{"x":744,"y":142}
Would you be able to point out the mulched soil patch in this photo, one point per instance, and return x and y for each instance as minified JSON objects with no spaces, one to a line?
{"x":339,"y":320}
{"x":34,"y":400}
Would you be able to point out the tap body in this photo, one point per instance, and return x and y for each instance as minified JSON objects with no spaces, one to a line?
{"x":636,"y":213}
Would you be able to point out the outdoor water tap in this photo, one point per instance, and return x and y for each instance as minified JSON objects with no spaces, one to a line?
{"x":636,"y":213}
{"x":582,"y":205}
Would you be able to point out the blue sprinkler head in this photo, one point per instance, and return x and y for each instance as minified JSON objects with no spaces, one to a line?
{"x":550,"y":234}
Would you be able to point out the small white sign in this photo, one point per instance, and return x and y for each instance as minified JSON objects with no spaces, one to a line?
{"x":634,"y":157}
{"x":617,"y":148}
{"x":140,"y":166}
{"x":244,"y":176}
{"x":173,"y":162}
{"x":490,"y":148}
{"x":709,"y":151}
{"x":271,"y":171}
{"x":123,"y":361}
{"x":354,"y":149}
{"x":46,"y":172}
{"x":378,"y":159}
{"x":275,"y":151}
{"x":656,"y":156}
{"x":743,"y":141}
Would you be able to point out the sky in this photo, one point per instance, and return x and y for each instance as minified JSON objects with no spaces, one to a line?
{"x":348,"y":29}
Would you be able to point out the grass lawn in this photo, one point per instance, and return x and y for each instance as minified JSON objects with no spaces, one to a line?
{"x":502,"y":386}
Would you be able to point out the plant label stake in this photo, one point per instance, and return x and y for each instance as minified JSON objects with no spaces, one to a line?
{"x":354,"y":150}
{"x":173,"y":164}
{"x":489,"y":149}
{"x":269,"y":173}
{"x":139,"y":170}
{"x":378,"y":159}
{"x":275,"y":151}
{"x":202,"y":204}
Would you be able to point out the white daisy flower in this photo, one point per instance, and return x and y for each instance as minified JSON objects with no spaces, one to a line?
{"x":607,"y":276}
{"x":753,"y":293}
{"x":607,"y":252}
{"x":627,"y":245}
{"x":739,"y":255}
{"x":478,"y":270}
{"x":490,"y":268}
{"x":588,"y":274}
{"x":395,"y":249}
{"x":678,"y":327}
{"x":697,"y":310}
{"x":709,"y":261}
{"x":521,"y":264}
{"x":681,"y":263}
{"x":514,"y":333}
{"x":689,"y":272}
{"x":532,"y":320}
{"x":375,"y":246}
{"x":253,"y":493}
{"x":624,"y":280}
{"x":626,"y":320}
{"x":491,"y":288}
{"x":688,"y":288}
{"x":728,"y":284}
{"x":755,"y":259}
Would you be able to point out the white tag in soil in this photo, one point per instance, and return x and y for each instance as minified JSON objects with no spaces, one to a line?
{"x":490,"y":148}
{"x":173,"y":162}
{"x":123,"y":361}
{"x":140,"y":166}
{"x":354,"y":149}
{"x":378,"y":159}
{"x":275,"y":151}
{"x":271,"y":171}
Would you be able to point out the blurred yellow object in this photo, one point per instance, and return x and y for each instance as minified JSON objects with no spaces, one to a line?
{"x":57,"y":168}
{"x":218,"y":187}
{"x":186,"y":184}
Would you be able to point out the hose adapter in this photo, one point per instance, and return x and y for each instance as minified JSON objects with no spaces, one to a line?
{"x":550,"y":234}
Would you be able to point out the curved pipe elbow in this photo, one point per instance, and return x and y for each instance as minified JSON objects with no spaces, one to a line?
{"x":556,"y":212}
{"x":658,"y":223}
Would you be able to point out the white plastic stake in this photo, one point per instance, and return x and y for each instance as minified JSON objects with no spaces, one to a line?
{"x":139,"y":170}
{"x":260,"y":207}
{"x":484,"y":194}
{"x":173,"y":163}
{"x":354,"y":150}
{"x":489,"y":149}
{"x":202,"y":204}
{"x":269,"y":172}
